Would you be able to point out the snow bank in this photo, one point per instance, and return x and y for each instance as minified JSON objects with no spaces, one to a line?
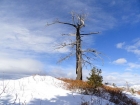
{"x":43,"y":90}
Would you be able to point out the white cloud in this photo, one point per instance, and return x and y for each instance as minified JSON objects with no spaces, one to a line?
{"x":21,"y":66}
{"x":122,"y":78}
{"x":133,"y":66}
{"x":120,"y":61}
{"x":26,"y":33}
{"x":22,"y":36}
{"x":135,"y":48}
{"x":67,"y":72}
{"x":19,"y":38}
{"x":119,"y":78}
{"x":120,"y":45}
{"x":101,"y":19}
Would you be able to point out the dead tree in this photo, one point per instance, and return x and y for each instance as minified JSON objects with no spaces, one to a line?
{"x":81,"y":57}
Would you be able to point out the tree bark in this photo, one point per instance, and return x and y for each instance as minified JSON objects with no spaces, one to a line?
{"x":78,"y":55}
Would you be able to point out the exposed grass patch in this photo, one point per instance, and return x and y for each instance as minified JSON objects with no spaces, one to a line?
{"x":118,"y":97}
{"x":71,"y":84}
{"x":113,"y":94}
{"x":138,"y":92}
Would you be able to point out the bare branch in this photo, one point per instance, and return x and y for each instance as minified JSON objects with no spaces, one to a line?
{"x":66,"y":57}
{"x":15,"y":100}
{"x":57,"y":21}
{"x":86,"y":56}
{"x":73,"y":17}
{"x":81,"y":21}
{"x":67,"y":23}
{"x":93,"y":52}
{"x":66,"y":44}
{"x":90,"y":33}
{"x":4,"y":88}
{"x":48,"y":24}
{"x":89,"y":50}
{"x":87,"y":60}
{"x":70,"y":34}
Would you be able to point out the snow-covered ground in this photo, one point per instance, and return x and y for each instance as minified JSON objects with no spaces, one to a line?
{"x":43,"y":90}
{"x":135,"y":87}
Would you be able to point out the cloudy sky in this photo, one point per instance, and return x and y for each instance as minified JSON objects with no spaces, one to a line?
{"x":27,"y":45}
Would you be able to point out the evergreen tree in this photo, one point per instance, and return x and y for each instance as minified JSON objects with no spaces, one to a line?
{"x":95,"y":78}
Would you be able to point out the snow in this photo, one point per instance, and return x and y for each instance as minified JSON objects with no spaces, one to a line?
{"x":43,"y":90}
{"x":136,"y":87}
{"x":133,"y":96}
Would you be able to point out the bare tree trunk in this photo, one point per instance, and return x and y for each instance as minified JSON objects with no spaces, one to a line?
{"x":78,"y":55}
{"x":81,"y":57}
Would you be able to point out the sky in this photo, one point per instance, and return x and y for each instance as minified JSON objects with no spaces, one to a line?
{"x":27,"y":44}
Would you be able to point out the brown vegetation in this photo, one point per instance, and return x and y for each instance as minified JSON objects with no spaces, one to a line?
{"x":115,"y":94}
{"x":71,"y":84}
{"x":138,"y":92}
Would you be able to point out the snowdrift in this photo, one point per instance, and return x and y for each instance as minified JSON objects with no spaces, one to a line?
{"x":42,"y":90}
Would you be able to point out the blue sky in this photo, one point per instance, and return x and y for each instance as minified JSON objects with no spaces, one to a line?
{"x":27,"y":44}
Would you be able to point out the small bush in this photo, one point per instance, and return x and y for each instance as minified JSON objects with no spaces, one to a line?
{"x":114,"y":85}
{"x":95,"y":79}
{"x":133,"y":91}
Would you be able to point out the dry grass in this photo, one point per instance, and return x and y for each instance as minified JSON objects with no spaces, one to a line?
{"x":118,"y":97}
{"x":112,"y":89}
{"x":71,"y":84}
{"x":115,"y":94}
{"x":138,"y":92}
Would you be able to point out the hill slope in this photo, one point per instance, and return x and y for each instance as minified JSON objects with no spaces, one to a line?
{"x":42,"y":90}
